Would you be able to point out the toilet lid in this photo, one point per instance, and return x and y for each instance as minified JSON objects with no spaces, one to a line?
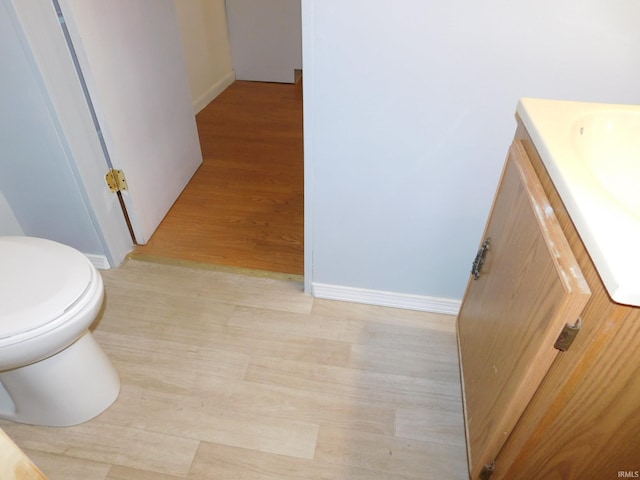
{"x":39,"y":280}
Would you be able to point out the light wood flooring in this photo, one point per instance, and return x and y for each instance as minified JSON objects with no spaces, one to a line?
{"x":229,"y":376}
{"x":244,"y":206}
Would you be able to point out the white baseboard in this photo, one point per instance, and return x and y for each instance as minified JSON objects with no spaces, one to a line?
{"x":99,"y":261}
{"x":386,"y":299}
{"x":212,"y":92}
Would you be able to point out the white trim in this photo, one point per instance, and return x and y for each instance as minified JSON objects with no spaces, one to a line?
{"x":213,"y":91}
{"x":308,"y":126}
{"x":386,"y":299}
{"x":99,"y":261}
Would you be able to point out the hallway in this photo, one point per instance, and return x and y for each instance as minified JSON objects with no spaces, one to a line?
{"x":244,"y":206}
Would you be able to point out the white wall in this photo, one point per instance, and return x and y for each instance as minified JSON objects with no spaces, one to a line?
{"x":205,"y":39}
{"x":409,"y":110}
{"x":9,"y":224}
{"x":37,"y":178}
{"x":266,"y":39}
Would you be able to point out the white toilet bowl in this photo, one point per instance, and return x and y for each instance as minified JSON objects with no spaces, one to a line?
{"x":52,"y":371}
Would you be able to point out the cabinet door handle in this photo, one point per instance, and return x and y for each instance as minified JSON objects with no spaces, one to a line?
{"x":478,"y":262}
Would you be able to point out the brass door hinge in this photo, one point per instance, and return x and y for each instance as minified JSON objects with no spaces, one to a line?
{"x":116,"y":180}
{"x":567,"y":336}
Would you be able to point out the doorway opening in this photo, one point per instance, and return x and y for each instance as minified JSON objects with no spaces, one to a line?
{"x":244,"y":207}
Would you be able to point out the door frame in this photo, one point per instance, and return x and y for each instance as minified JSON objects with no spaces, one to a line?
{"x":43,"y":36}
{"x":307,"y":135}
{"x":37,"y":24}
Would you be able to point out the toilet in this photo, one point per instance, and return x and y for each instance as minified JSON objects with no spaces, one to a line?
{"x":52,"y":371}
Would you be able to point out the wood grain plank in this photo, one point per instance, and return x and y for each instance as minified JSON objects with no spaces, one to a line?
{"x":375,"y":387}
{"x":110,"y":444}
{"x":125,"y":473}
{"x":69,"y":469}
{"x":199,"y":418}
{"x":393,"y":455}
{"x":239,"y":369}
{"x":221,"y":462}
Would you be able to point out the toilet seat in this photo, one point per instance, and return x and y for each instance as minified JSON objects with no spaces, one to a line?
{"x":52,"y":370}
{"x":40,"y":281}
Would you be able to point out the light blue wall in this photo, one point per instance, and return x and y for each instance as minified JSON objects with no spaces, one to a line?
{"x":8,"y":222}
{"x":37,"y":179}
{"x":413,"y":107}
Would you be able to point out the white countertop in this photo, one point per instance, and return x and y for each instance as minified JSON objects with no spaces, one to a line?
{"x":608,"y":226}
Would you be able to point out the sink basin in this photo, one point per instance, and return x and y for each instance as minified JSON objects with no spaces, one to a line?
{"x":592,"y":154}
{"x":609,"y":142}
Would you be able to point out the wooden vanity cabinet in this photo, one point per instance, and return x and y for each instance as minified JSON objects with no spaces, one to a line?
{"x":516,"y":305}
{"x":533,"y":411}
{"x":14,"y":463}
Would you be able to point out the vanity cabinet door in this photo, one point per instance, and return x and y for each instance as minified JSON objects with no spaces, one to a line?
{"x":528,"y":289}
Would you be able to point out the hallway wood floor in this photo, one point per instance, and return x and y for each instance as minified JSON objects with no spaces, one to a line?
{"x":232,"y":377}
{"x":244,"y":206}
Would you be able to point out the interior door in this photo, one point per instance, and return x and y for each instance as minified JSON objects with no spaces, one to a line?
{"x":529,"y":287}
{"x":131,"y":59}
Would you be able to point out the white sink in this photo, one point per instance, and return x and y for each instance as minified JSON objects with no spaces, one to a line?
{"x":609,"y":143}
{"x":592,"y":153}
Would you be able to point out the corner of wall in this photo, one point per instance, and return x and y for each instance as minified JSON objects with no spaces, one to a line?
{"x":212,"y":92}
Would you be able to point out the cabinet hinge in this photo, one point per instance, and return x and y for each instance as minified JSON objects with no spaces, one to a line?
{"x":478,"y":262}
{"x":567,"y":335}
{"x":487,"y":471}
{"x":116,"y":180}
